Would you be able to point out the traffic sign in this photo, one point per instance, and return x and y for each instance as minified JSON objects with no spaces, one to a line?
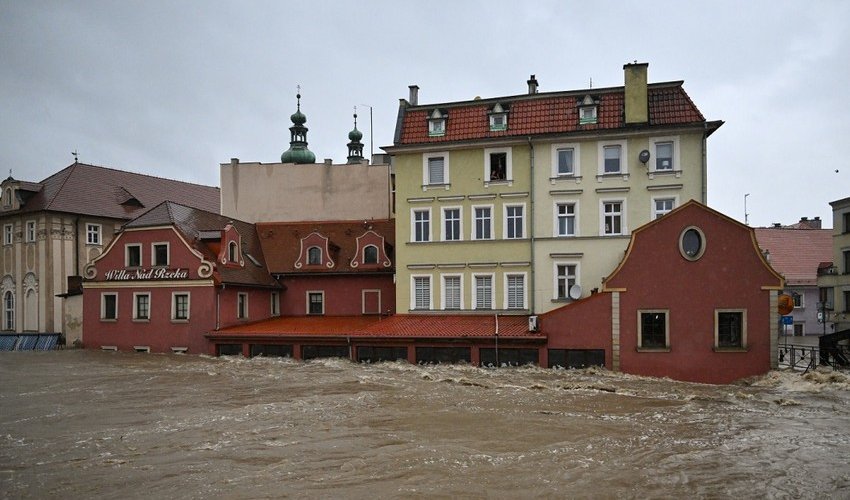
{"x":787,"y":320}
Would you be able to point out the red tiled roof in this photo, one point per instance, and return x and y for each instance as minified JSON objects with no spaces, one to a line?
{"x":103,"y":192}
{"x":549,"y":113}
{"x":796,"y":253}
{"x":281,"y":243}
{"x":399,"y":326}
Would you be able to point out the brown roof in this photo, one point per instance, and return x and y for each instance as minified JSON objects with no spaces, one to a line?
{"x":191,"y":222}
{"x":796,"y":253}
{"x":302,"y":325}
{"x":281,"y":242}
{"x":546,"y":113}
{"x":117,"y":194}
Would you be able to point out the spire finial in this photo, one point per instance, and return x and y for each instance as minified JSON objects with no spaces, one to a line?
{"x":355,"y":116}
{"x":298,"y":96}
{"x":76,"y":155}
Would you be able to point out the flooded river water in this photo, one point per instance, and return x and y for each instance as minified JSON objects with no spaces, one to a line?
{"x":82,"y":424}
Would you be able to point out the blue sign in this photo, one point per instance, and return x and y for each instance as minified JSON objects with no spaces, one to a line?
{"x":787,"y":320}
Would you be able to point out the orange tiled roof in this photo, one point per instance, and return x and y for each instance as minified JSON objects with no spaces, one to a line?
{"x":547,"y":113}
{"x":302,"y":325}
{"x":796,"y":253}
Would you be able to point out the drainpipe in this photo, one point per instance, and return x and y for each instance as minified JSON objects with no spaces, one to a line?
{"x":704,"y":200}
{"x":77,"y":247}
{"x":531,"y":287}
{"x":218,"y":307}
{"x":497,"y":339}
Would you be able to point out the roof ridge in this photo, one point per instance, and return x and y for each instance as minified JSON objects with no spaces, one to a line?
{"x":143,"y":175}
{"x":70,"y":168}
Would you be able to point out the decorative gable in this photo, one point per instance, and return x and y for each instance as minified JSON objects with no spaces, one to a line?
{"x":315,"y":252}
{"x":371,"y":252}
{"x":230,"y":253}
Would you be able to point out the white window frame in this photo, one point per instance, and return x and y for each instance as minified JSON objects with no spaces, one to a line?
{"x":174,"y":317}
{"x":443,"y":304}
{"x":8,"y":298}
{"x":103,"y":296}
{"x":524,"y":291}
{"x":136,"y":296}
{"x":474,"y":232}
{"x":492,"y":277}
{"x":29,"y":232}
{"x":94,"y":234}
{"x":576,"y":147}
{"x":8,"y":234}
{"x":127,"y":248}
{"x":413,"y":278}
{"x":310,"y":251}
{"x":624,"y":229}
{"x":655,"y":213}
{"x":233,"y":251}
{"x":307,"y":295}
{"x":509,"y":168}
{"x":594,"y":114}
{"x":555,"y":220}
{"x":495,"y":127}
{"x":654,"y":142}
{"x":624,"y":155}
{"x":274,"y":304}
{"x":506,"y":223}
{"x":743,"y":313}
{"x":666,"y":313}
{"x":167,"y":254}
{"x":459,"y":220}
{"x":426,"y":177}
{"x":556,"y":277}
{"x":434,"y":118}
{"x":427,"y":234}
{"x":242,"y":310}
{"x":801,"y":301}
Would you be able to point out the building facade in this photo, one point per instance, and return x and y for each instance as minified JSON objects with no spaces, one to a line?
{"x":53,"y":228}
{"x":505,"y":204}
{"x":834,"y":277}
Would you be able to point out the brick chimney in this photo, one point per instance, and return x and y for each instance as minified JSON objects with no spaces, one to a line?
{"x":414,"y":95}
{"x":532,"y":85}
{"x":636,"y":101}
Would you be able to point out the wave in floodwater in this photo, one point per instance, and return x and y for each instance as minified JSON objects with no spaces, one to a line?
{"x":85,"y":424}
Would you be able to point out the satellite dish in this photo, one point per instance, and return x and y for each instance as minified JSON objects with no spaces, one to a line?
{"x":644,"y":156}
{"x":575,"y":292}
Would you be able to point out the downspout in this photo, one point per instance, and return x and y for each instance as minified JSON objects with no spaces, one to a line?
{"x":218,"y":307}
{"x":704,"y":200}
{"x":497,"y":339}
{"x":77,"y":247}
{"x":531,"y":226}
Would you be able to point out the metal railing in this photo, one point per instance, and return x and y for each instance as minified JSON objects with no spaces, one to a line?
{"x":807,"y":357}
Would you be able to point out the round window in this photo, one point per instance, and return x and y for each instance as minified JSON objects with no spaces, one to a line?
{"x":692,"y":243}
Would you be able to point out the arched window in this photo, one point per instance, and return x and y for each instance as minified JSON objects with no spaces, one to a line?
{"x":8,"y":311}
{"x":314,"y":256}
{"x":232,"y":252}
{"x":370,"y":254}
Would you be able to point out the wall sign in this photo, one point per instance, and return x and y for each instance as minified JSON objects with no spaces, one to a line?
{"x":146,"y":274}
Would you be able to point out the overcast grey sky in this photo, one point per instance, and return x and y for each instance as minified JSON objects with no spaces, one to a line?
{"x":173,"y":88}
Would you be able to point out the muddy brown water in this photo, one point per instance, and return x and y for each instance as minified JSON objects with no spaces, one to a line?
{"x":83,"y":424}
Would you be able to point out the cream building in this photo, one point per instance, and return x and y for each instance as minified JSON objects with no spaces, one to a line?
{"x":506,"y":203}
{"x":834,"y":280}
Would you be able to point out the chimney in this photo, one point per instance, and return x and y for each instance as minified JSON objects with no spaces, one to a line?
{"x":636,"y":102}
{"x":812,"y":223}
{"x":234,"y":162}
{"x":329,"y":161}
{"x":777,"y":225}
{"x":532,"y":85}
{"x":414,"y":95}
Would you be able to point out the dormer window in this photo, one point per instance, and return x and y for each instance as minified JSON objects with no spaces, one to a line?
{"x":370,"y":254}
{"x":436,"y":124}
{"x":314,"y":256}
{"x":587,"y":110}
{"x":498,"y":118}
{"x":233,"y":252}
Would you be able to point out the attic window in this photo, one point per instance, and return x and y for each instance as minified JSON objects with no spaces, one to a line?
{"x":498,"y":118}
{"x":233,"y":252}
{"x":436,"y":124}
{"x":587,"y":110}
{"x":314,"y":256}
{"x":370,"y":254}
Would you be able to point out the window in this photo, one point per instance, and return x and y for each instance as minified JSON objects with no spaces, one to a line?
{"x":565,"y":219}
{"x":315,"y":302}
{"x":133,"y":255}
{"x":846,"y":301}
{"x":435,"y":169}
{"x":664,"y":155}
{"x":93,"y":232}
{"x":233,"y":252}
{"x":514,"y":221}
{"x":370,"y":254}
{"x":242,"y":306}
{"x":30,"y":231}
{"x":612,"y":159}
{"x":109,"y":306}
{"x":7,"y":234}
{"x":314,"y":256}
{"x":484,"y":292}
{"x":662,"y":206}
{"x":451,"y":224}
{"x":180,"y":306}
{"x":846,"y":217}
{"x":7,"y":198}
{"x":692,"y":243}
{"x":483,"y":222}
{"x":798,"y":300}
{"x":799,"y":330}
{"x":275,"y":303}
{"x":436,"y":123}
{"x":515,"y":291}
{"x":160,"y":254}
{"x":498,"y":118}
{"x":846,"y":254}
{"x":421,"y":225}
{"x":731,"y":328}
{"x":497,"y":164}
{"x":612,"y":218}
{"x":565,"y":277}
{"x":452,"y":292}
{"x":141,"y":306}
{"x":652,"y":330}
{"x":421,"y":292}
{"x":565,"y":161}
{"x":8,"y":311}
{"x":587,"y":110}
